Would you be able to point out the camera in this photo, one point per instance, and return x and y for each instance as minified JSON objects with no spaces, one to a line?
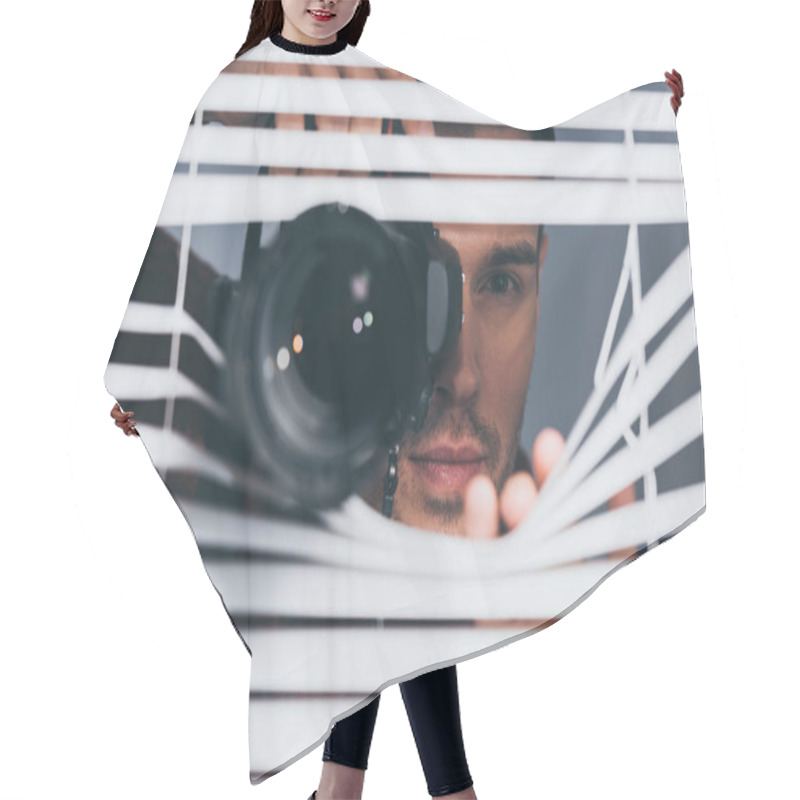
{"x":332,"y":337}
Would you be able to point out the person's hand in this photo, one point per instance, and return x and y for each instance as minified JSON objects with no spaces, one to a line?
{"x":484,"y":511}
{"x":124,"y":420}
{"x":675,"y":82}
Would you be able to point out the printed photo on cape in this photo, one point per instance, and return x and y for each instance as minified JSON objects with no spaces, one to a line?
{"x":360,"y":296}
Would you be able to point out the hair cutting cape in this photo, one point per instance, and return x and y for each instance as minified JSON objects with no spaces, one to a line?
{"x":333,"y":332}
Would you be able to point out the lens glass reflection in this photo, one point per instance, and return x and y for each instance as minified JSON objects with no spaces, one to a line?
{"x":337,"y":337}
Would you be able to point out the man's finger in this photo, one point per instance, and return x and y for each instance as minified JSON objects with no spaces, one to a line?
{"x":517,"y":499}
{"x":624,"y":497}
{"x":480,"y":509}
{"x":547,"y":448}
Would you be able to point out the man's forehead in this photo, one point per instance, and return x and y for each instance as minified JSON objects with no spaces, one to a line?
{"x":485,"y":235}
{"x":477,"y":245}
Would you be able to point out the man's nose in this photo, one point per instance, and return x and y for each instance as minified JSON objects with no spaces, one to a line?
{"x":458,"y":374}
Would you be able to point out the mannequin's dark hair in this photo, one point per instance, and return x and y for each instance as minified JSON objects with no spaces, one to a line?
{"x":266,"y":18}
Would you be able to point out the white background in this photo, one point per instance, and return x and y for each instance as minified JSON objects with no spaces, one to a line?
{"x":120,"y":675}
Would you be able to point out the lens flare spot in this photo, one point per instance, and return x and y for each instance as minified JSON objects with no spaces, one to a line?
{"x":367,"y":318}
{"x":297,"y":343}
{"x":283,"y":358}
{"x":358,"y":325}
{"x":359,"y":287}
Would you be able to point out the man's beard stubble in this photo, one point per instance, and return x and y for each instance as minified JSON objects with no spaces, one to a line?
{"x":445,"y":513}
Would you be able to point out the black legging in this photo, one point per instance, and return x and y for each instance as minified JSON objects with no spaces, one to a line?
{"x":432,"y":706}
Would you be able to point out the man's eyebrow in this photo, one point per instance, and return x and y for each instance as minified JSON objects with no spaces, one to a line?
{"x":522,"y":251}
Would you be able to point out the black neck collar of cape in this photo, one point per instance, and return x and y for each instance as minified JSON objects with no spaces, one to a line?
{"x":310,"y":49}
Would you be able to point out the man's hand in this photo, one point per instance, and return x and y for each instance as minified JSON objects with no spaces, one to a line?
{"x":483,"y":510}
{"x":675,"y":82}
{"x":124,"y":420}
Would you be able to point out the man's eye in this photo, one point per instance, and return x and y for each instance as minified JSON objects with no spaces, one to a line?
{"x":501,"y":283}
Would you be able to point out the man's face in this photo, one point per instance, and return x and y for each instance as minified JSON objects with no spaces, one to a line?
{"x":474,"y":420}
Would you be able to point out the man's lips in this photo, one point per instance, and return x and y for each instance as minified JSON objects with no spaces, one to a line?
{"x":448,"y":468}
{"x":450,"y":453}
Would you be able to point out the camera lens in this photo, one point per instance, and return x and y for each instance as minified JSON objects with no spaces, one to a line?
{"x":338,"y":336}
{"x":328,"y":358}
